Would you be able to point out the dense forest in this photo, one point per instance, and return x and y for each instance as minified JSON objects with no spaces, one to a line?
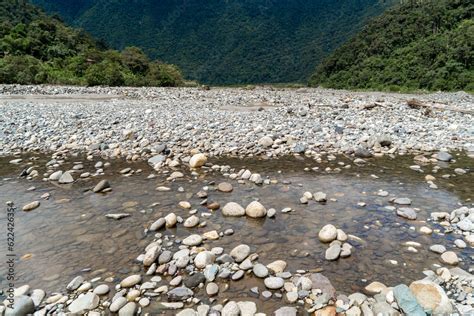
{"x":416,"y":45}
{"x":36,"y":48}
{"x":225,"y":42}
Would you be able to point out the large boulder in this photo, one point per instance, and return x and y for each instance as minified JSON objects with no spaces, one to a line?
{"x":431,"y":297}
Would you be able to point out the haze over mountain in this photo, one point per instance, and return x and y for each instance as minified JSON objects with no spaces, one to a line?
{"x":225,"y":41}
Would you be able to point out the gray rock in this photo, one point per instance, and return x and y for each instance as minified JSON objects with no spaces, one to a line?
{"x":444,"y":156}
{"x":402,"y":201}
{"x":259,"y":270}
{"x":240,"y":253}
{"x":117,"y":304}
{"x":179,"y":294}
{"x":101,"y":186}
{"x":274,"y":283}
{"x":407,"y":301}
{"x":438,"y":248}
{"x":75,"y":283}
{"x":332,"y":253}
{"x":233,"y":209}
{"x":23,"y":305}
{"x":128,"y":310}
{"x":286,"y":311}
{"x":406,"y":212}
{"x":84,"y":303}
{"x":66,"y":178}
{"x":194,"y":280}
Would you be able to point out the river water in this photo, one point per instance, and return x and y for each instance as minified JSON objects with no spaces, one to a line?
{"x":69,"y":235}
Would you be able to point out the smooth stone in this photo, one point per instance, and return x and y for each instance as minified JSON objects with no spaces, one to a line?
{"x":84,"y":303}
{"x":159,"y":223}
{"x":233,"y":209}
{"x":101,"y":289}
{"x":31,"y":206}
{"x":37,"y":295}
{"x":179,"y":294}
{"x":128,"y":310}
{"x":271,"y":213}
{"x":197,"y":160}
{"x":191,"y":221}
{"x":320,"y":197}
{"x":171,"y":219}
{"x":255,"y":210}
{"x":287,"y":311}
{"x":204,"y":258}
{"x":225,"y":187}
{"x":444,"y":156}
{"x":332,"y":253}
{"x":131,"y":280}
{"x":194,"y":280}
{"x":102,"y":185}
{"x":277,"y":266}
{"x":328,"y":233}
{"x":240,"y":253}
{"x":450,"y":257}
{"x":66,"y":178}
{"x":247,"y":308}
{"x":212,"y":289}
{"x":117,"y":304}
{"x":407,"y":301}
{"x":274,"y":283}
{"x":75,"y":283}
{"x":431,"y":297}
{"x":55,"y":176}
{"x":22,"y":305}
{"x":231,"y":309}
{"x":260,"y":271}
{"x":438,"y":249}
{"x":192,"y":240}
{"x":376,"y":287}
{"x":402,"y":201}
{"x":406,"y":212}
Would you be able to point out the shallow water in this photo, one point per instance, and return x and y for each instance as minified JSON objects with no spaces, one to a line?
{"x":69,"y":232}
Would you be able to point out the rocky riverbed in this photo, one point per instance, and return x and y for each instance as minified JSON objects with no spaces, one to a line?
{"x":166,"y":201}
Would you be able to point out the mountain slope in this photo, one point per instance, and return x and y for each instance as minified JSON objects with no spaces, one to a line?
{"x":416,"y":45}
{"x":36,"y":48}
{"x":226,"y":41}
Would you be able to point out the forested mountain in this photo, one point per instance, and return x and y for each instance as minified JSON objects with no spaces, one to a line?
{"x":36,"y":48}
{"x":225,"y":41}
{"x":416,"y":45}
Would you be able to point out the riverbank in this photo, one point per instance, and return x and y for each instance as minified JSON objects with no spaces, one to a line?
{"x":165,"y":201}
{"x":137,"y":123}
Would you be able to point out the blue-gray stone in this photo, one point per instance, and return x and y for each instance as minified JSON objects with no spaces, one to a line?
{"x":407,"y":301}
{"x":210,"y":272}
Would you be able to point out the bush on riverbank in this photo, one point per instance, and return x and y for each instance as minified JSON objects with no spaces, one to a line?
{"x":37,"y":49}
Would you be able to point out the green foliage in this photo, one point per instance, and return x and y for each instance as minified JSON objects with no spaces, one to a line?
{"x":36,"y":48}
{"x":226,"y":42}
{"x":417,"y":45}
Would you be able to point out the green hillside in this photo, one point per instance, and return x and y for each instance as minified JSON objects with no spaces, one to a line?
{"x":225,"y":42}
{"x":416,"y":45}
{"x":36,"y":48}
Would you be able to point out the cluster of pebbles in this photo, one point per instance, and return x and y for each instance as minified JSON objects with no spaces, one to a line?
{"x":174,"y":270}
{"x":176,"y":127}
{"x":141,"y":123}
